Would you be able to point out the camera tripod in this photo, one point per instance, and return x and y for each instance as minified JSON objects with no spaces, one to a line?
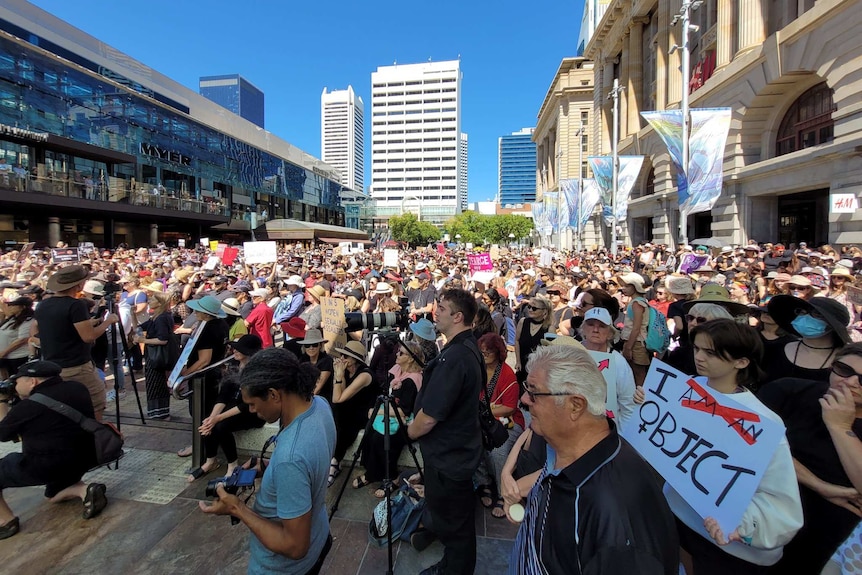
{"x":386,"y":402}
{"x":116,"y":362}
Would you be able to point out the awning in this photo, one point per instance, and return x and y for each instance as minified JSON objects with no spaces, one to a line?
{"x":234,"y":226}
{"x":340,"y":240}
{"x":283,"y":229}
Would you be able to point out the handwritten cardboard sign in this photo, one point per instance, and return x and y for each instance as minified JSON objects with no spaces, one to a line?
{"x":480,"y":262}
{"x":711,"y":449}
{"x":332,"y":322}
{"x":260,"y":252}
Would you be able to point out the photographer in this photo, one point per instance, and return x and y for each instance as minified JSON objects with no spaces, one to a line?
{"x":290,"y":530}
{"x":56,"y":452}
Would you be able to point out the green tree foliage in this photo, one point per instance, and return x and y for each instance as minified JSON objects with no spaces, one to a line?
{"x":480,"y":229}
{"x":407,"y":228}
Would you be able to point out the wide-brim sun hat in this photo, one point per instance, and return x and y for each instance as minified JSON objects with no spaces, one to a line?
{"x":316,"y":291}
{"x":383,"y":288}
{"x":714,"y":293}
{"x":841,"y":271}
{"x":294,"y":327}
{"x":66,"y":278}
{"x":209,"y":305}
{"x":295,"y":280}
{"x":353,"y":349}
{"x":633,"y":279}
{"x":248,"y":345}
{"x":154,"y":286}
{"x":231,"y":306}
{"x":783,"y":310}
{"x":94,"y":287}
{"x":312,"y":337}
{"x":678,"y":285}
{"x":424,"y":329}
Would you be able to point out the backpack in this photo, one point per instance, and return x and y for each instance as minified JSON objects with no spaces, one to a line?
{"x":658,"y":334}
{"x":507,"y":328}
{"x":109,"y":441}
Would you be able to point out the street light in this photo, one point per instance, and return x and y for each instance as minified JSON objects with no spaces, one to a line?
{"x":458,"y":239}
{"x":511,"y":239}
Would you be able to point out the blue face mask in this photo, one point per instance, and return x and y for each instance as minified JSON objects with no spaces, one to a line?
{"x":808,"y":326}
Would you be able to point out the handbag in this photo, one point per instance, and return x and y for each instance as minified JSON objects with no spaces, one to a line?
{"x":157,"y":357}
{"x":494,"y":433}
{"x":108,"y":440}
{"x":407,"y":509}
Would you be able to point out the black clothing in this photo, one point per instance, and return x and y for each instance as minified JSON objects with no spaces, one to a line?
{"x":709,"y":559}
{"x":682,"y":358}
{"x":527,"y":343}
{"x":450,"y":513}
{"x":777,"y":365}
{"x":221,"y":434}
{"x":604,"y":513}
{"x":214,"y":337}
{"x":826,"y":525}
{"x":292,"y":345}
{"x":325,"y":363}
{"x":55,"y":448}
{"x":58,"y":337}
{"x":675,"y":309}
{"x":373,"y":453}
{"x":352,"y":415}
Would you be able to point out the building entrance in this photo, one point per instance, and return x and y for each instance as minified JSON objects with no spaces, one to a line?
{"x":804,"y":217}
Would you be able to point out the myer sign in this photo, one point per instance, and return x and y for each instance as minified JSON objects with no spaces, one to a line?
{"x":843,"y":203}
{"x":163,"y":154}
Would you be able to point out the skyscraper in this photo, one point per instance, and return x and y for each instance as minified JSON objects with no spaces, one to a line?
{"x":516,"y":165}
{"x":235,"y":93}
{"x":342,"y":135}
{"x":416,"y":140}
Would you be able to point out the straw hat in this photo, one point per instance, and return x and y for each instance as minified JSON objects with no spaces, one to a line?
{"x":317,"y":291}
{"x":314,"y":336}
{"x":67,"y":277}
{"x":353,"y":349}
{"x":208,"y":305}
{"x":154,"y":286}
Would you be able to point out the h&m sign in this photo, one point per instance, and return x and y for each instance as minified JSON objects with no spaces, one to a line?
{"x":168,"y":155}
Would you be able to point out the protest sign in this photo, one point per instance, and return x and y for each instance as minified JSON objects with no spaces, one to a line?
{"x":25,"y":251}
{"x":854,"y":295}
{"x":441,"y":249}
{"x":205,"y":242}
{"x":229,"y":255}
{"x":607,"y":367}
{"x":494,"y":251}
{"x":545,"y":258}
{"x":213,"y":245}
{"x":711,"y":449}
{"x":65,"y":255}
{"x":690,"y":262}
{"x":260,"y":252}
{"x":212,"y":263}
{"x":86,"y":248}
{"x":483,"y":277}
{"x":220,"y":248}
{"x":332,"y":322}
{"x":181,"y":243}
{"x":175,"y":377}
{"x":480,"y":262}
{"x":390,"y":258}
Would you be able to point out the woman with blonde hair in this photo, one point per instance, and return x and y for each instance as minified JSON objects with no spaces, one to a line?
{"x":530,"y":331}
{"x":158,"y":332}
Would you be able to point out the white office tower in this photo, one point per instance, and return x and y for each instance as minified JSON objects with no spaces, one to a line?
{"x":342,"y":135}
{"x":462,"y":172}
{"x":416,"y":140}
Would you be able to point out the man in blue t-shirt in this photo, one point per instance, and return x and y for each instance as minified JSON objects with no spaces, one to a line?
{"x":288,"y":522}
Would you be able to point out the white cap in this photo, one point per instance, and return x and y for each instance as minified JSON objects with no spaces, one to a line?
{"x":295,"y":281}
{"x":259,"y":293}
{"x":600,"y":314}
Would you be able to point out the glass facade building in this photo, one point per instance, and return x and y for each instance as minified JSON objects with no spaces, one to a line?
{"x":235,"y":93}
{"x":116,"y":159}
{"x":516,"y":162}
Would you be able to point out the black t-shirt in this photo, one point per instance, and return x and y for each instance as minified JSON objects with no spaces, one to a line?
{"x":675,"y":309}
{"x":214,"y":337}
{"x":325,"y":363}
{"x":53,"y":445}
{"x":450,"y":395}
{"x":59,"y":339}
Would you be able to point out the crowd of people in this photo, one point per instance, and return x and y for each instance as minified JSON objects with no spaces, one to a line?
{"x":776,"y":328}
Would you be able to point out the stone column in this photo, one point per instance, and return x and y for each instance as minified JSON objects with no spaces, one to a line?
{"x":154,"y":234}
{"x":607,"y":105}
{"x":53,"y":232}
{"x":674,"y":61}
{"x":626,"y":64}
{"x":661,"y":55}
{"x":751,"y":24}
{"x":726,"y":33}
{"x":634,"y":89}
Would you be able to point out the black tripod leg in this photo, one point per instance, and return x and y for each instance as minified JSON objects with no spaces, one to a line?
{"x":402,"y":428}
{"x":131,"y":370}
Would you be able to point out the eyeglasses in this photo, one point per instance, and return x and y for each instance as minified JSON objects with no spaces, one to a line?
{"x":841,"y":369}
{"x":488,"y":353}
{"x":798,"y":287}
{"x":690,"y":318}
{"x":534,"y":394}
{"x":533,"y":308}
{"x":310,"y":345}
{"x":585,"y":305}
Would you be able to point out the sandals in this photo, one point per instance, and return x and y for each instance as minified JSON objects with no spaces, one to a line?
{"x":497,"y":510}
{"x":334,"y":471}
{"x":199,"y":472}
{"x":486,"y":496}
{"x":360,"y":482}
{"x":95,"y":500}
{"x":185,"y":452}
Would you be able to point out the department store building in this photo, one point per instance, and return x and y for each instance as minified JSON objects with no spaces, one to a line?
{"x":790,"y":72}
{"x":95,"y":146}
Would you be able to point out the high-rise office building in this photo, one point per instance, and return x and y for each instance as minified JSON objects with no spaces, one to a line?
{"x":462,"y":172}
{"x":416,"y":140}
{"x":516,"y":168}
{"x":342,"y":137}
{"x":235,"y":93}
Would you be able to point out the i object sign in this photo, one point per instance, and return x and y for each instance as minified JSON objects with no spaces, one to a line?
{"x":843,"y":203}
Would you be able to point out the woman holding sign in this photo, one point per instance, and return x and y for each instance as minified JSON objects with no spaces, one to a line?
{"x":727,"y":354}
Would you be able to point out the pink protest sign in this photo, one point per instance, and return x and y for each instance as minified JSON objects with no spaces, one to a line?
{"x":480,"y":262}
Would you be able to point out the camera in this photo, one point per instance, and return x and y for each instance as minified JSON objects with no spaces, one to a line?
{"x":7,"y":388}
{"x":375,"y":321}
{"x":239,"y":480}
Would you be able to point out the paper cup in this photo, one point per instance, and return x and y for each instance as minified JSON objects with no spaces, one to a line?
{"x":516,"y":512}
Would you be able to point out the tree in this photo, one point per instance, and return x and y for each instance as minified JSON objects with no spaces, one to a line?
{"x":479,"y":229}
{"x":407,"y":228}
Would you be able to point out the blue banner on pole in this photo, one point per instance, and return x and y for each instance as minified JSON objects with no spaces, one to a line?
{"x":603,"y":170}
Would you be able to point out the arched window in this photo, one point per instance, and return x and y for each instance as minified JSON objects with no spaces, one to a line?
{"x":649,"y":185}
{"x":808,"y":122}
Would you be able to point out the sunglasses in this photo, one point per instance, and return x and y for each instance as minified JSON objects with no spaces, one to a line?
{"x":803,"y":311}
{"x":798,"y":287}
{"x":553,"y":292}
{"x":532,"y":307}
{"x":310,"y":345}
{"x":690,"y":318}
{"x":841,"y":369}
{"x":534,"y":394}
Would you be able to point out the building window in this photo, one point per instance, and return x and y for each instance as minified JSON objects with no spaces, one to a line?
{"x":808,"y":122}
{"x":649,"y":185}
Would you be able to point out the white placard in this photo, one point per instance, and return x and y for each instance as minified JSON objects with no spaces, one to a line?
{"x":483,"y":277}
{"x":260,"y":252}
{"x":607,"y":367}
{"x":205,"y":242}
{"x":390,"y":258}
{"x":711,"y":449}
{"x":843,"y":203}
{"x":545,"y":258}
{"x":212,"y":263}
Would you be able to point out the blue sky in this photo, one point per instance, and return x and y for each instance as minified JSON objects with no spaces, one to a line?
{"x":509,"y":49}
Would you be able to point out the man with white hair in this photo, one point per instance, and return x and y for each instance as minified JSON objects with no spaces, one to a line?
{"x":596,"y":507}
{"x":291,"y":306}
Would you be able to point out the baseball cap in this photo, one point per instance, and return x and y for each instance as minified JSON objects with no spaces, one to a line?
{"x":37,"y":368}
{"x":600,"y":314}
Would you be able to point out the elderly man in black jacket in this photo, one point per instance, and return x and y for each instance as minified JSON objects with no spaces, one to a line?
{"x":56,"y":452}
{"x":596,"y":507}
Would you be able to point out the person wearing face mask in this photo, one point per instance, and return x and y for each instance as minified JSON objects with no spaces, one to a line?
{"x":821,"y":323}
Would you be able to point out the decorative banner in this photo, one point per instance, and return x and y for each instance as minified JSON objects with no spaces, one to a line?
{"x":690,"y":262}
{"x":332,"y":322}
{"x":711,"y":449}
{"x":590,"y":197}
{"x":480,"y":262}
{"x":569,"y":213}
{"x":603,"y":169}
{"x":260,"y":252}
{"x":540,"y":218}
{"x":843,"y":203}
{"x":698,"y":189}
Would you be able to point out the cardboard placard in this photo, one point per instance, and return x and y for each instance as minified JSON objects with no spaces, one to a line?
{"x":212,"y":263}
{"x":205,"y":242}
{"x":854,"y":295}
{"x":260,"y":252}
{"x":25,"y":251}
{"x":711,"y":449}
{"x":607,"y":367}
{"x":229,"y":255}
{"x":65,"y":255}
{"x":181,"y":243}
{"x":390,"y":258}
{"x":332,"y":322}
